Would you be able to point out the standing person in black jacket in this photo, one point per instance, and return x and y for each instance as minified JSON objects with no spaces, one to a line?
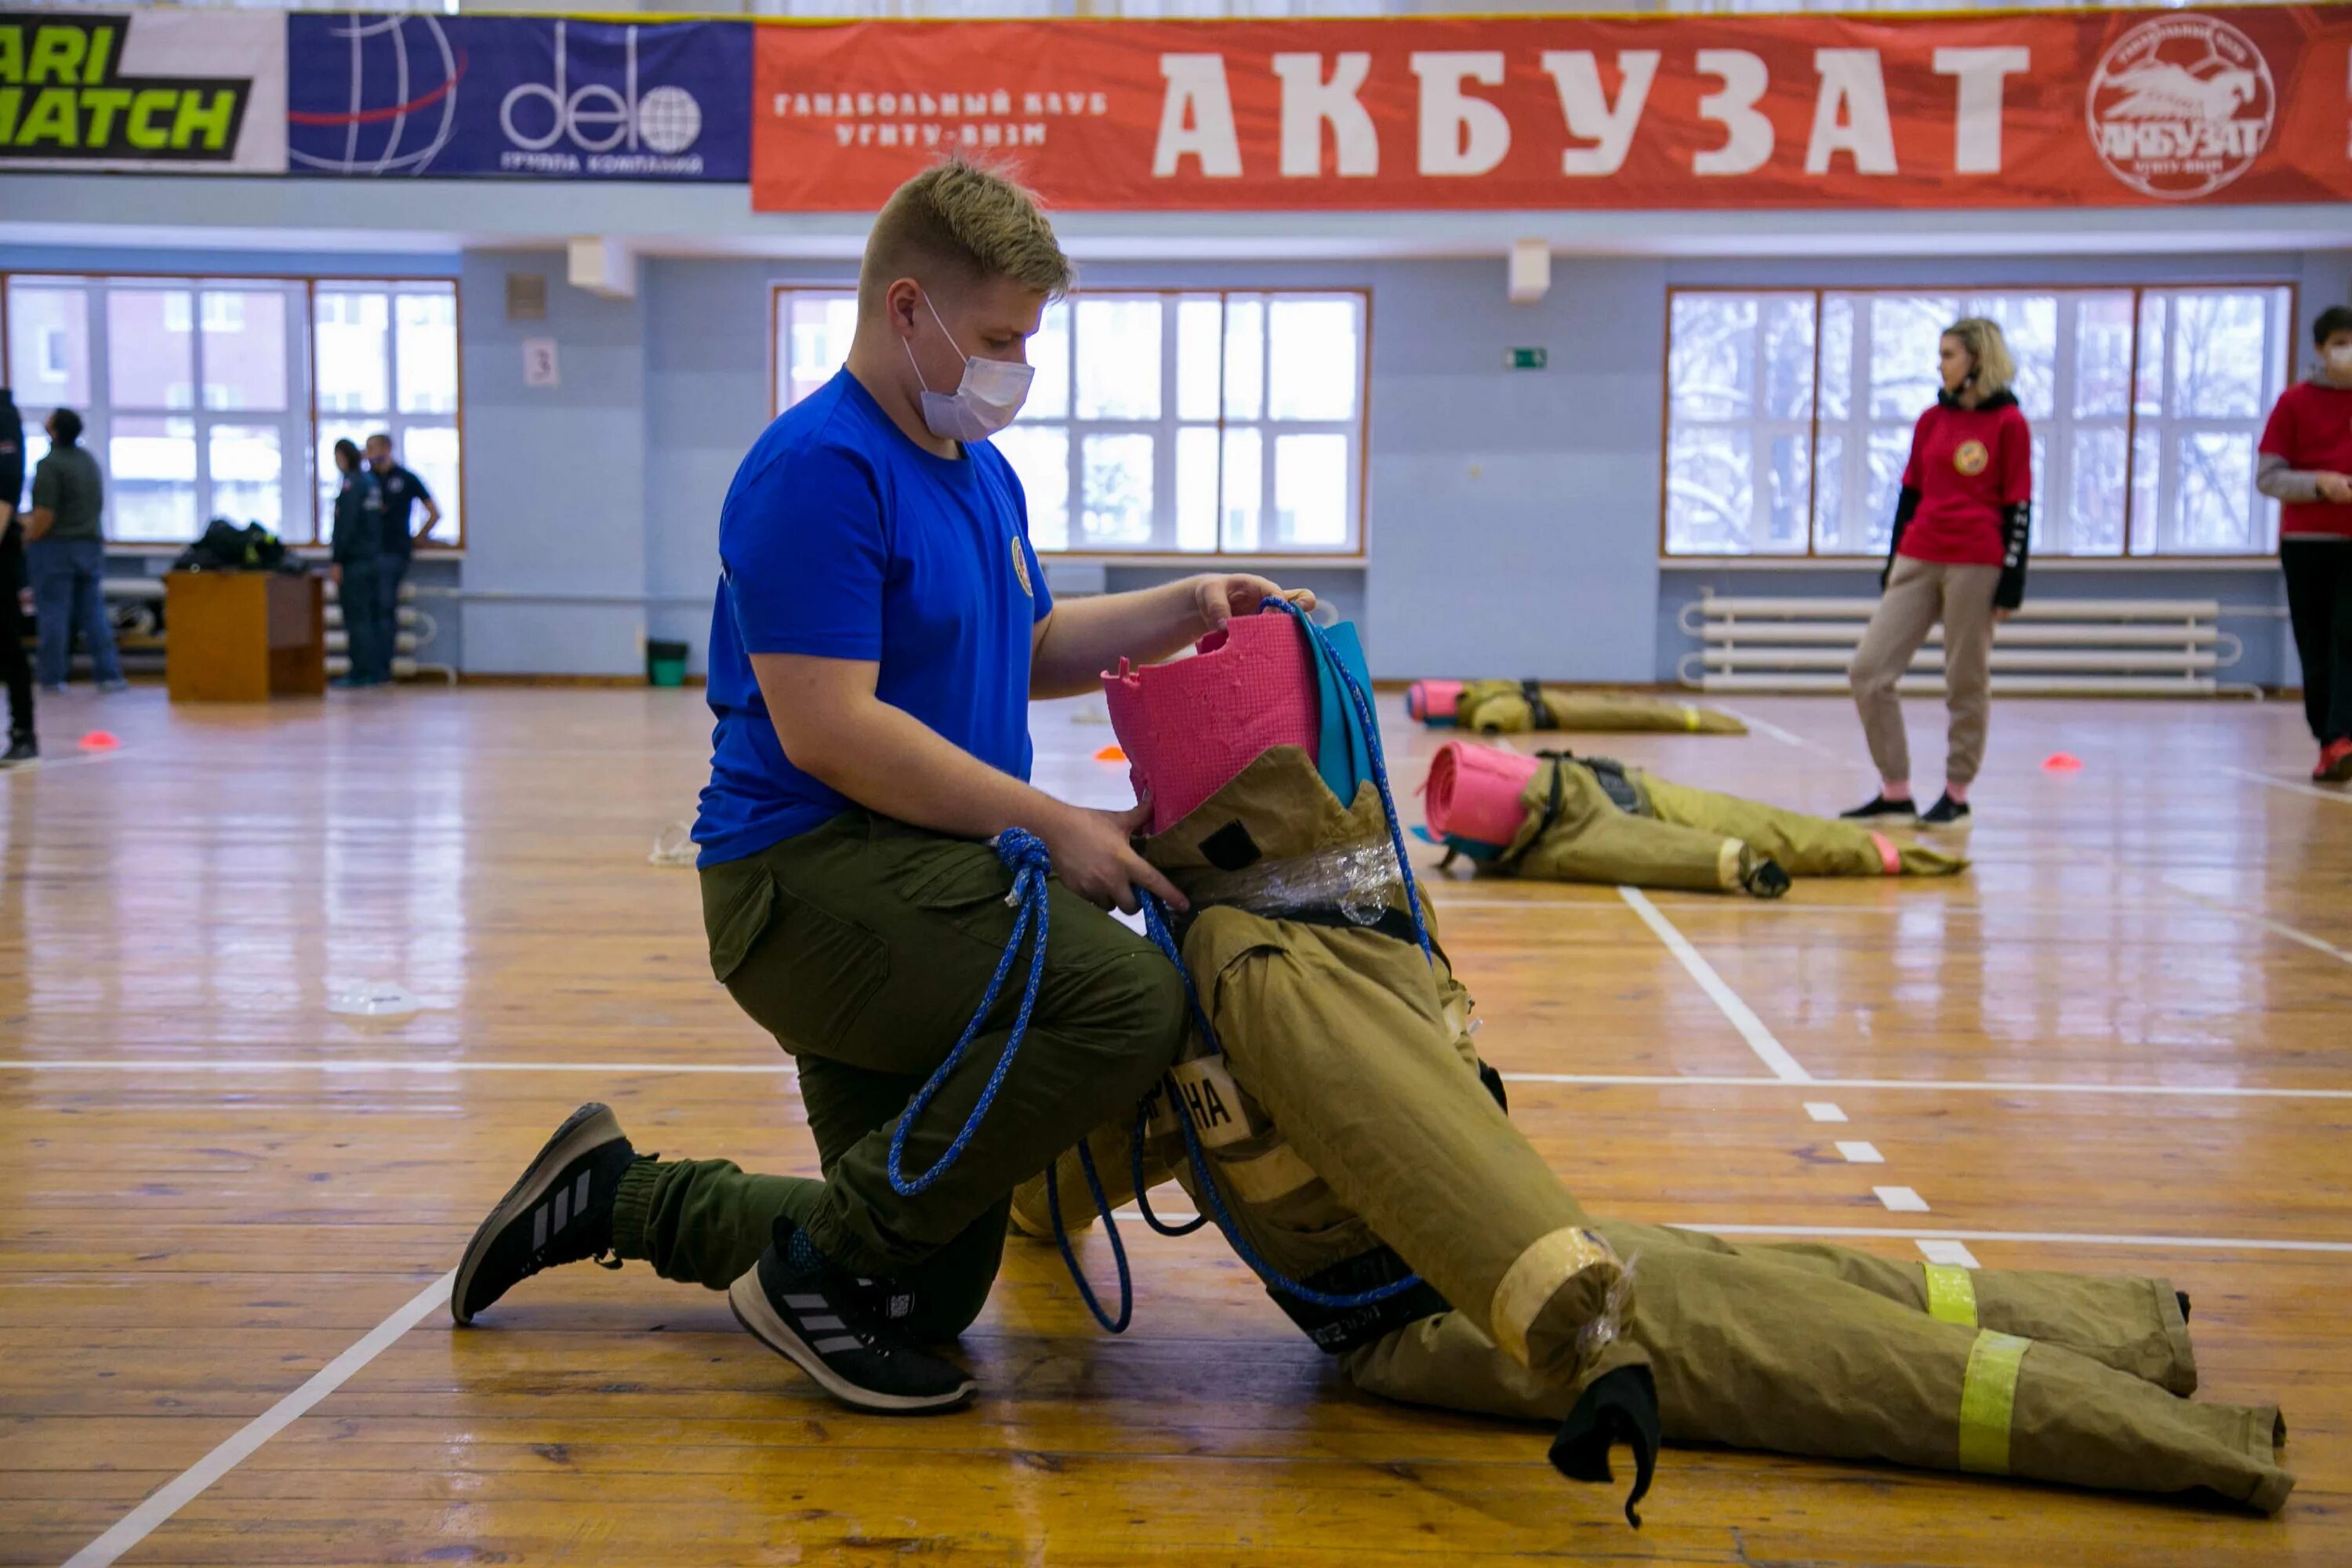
{"x":357,"y":546}
{"x":1962,"y":526}
{"x":14,"y":665}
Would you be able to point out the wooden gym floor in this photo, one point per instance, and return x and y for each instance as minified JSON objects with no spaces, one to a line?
{"x":2120,"y":1044}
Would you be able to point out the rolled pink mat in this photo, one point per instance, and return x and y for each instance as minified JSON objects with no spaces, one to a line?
{"x":1188,"y":726}
{"x":1474,"y":792}
{"x":1432,"y":701}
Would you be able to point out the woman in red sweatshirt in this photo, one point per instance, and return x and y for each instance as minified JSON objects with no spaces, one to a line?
{"x":1962,"y":525}
{"x":2306,"y":466}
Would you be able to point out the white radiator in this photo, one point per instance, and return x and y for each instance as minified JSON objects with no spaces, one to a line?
{"x":2170,"y":647}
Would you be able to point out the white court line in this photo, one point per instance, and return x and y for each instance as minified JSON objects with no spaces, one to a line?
{"x":142,"y":1521}
{"x":2277,"y":928}
{"x":1766,"y":727}
{"x":1901,"y":1200}
{"x":2056,"y":1237}
{"x":1743,"y":1017}
{"x":1823,"y":1111}
{"x":785,"y":1069}
{"x":39,"y":764}
{"x":2340,"y":797}
{"x":1996,"y":1086}
{"x":1859,"y":1153}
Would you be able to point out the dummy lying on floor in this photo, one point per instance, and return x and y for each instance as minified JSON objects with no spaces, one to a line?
{"x":1587,"y":819}
{"x":1348,"y":1133}
{"x":1515,"y":707}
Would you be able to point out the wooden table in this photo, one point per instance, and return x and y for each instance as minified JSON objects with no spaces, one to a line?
{"x":242,"y":637}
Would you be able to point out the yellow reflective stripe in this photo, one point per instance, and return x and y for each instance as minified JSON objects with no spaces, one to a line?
{"x":1690,"y":716}
{"x":1988,"y":1400}
{"x":1951,"y":1294}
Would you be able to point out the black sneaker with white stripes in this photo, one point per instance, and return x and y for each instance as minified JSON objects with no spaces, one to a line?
{"x":802,"y":1306}
{"x":559,"y":1211}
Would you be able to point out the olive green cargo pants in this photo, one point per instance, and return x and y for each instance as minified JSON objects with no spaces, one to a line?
{"x":864,"y":946}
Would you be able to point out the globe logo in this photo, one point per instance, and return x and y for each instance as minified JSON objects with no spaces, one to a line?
{"x":668,"y":119}
{"x":392,"y":111}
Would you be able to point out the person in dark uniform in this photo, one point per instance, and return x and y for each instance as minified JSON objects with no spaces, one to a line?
{"x":14,"y":665}
{"x":402,"y":493}
{"x":358,"y":550}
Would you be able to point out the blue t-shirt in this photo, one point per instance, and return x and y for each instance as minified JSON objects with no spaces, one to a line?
{"x":842,"y":539}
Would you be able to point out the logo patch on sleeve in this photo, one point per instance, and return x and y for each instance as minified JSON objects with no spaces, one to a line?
{"x":1021,"y":567}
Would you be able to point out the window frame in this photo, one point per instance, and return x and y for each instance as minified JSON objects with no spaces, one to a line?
{"x":298,"y":475}
{"x":391,"y":419}
{"x":2169,"y":426}
{"x":1167,"y":428}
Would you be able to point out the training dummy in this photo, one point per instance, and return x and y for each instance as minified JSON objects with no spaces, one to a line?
{"x":1587,"y":819}
{"x":1515,"y":707}
{"x":1347,"y":1059}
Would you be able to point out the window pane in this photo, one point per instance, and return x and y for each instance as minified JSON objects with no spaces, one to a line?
{"x":245,"y":349}
{"x":816,"y":329}
{"x":2148,"y":467}
{"x":1711,"y":365}
{"x":2103,"y":334}
{"x":1313,"y":361}
{"x":2028,"y":323}
{"x":1040,"y":456}
{"x":1200,"y":344}
{"x":2095,"y":508}
{"x":247,"y":474}
{"x":1890,"y":449}
{"x":1310,"y":492}
{"x":1904,"y":333}
{"x":1837,"y":356}
{"x":354,"y":375}
{"x":150,"y":468}
{"x":2153,"y":318}
{"x":49,"y":347}
{"x":2217,"y":486}
{"x":1196,"y":487}
{"x":1830,"y":523}
{"x":1245,"y":489}
{"x":1710,"y":504}
{"x":1788,"y":358}
{"x":430,"y":452}
{"x":426,"y":351}
{"x":1049,"y":390}
{"x":1245,"y":360}
{"x":2217,"y":361}
{"x":1118,"y":367}
{"x":1118,"y":483}
{"x":151,"y":350}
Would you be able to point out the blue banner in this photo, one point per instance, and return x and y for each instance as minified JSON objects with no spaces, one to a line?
{"x":517,"y":97}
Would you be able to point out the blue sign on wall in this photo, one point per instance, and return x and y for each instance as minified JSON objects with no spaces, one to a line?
{"x":519,"y":96}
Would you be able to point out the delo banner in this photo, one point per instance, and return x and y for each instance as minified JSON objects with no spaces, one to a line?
{"x":155,"y":92}
{"x":2033,"y":110}
{"x":526,"y":98}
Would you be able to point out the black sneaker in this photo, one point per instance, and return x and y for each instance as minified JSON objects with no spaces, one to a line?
{"x":559,"y":1211}
{"x":826,"y":1320}
{"x":1879,"y":805}
{"x":22,"y":748}
{"x":1945,"y":813}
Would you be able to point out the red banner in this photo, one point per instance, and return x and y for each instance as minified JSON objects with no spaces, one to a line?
{"x":2105,"y":109}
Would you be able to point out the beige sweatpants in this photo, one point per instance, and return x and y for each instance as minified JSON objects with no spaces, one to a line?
{"x":1919,"y":595}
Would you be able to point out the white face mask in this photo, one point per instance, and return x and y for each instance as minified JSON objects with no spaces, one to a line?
{"x":988,"y":398}
{"x":2338,"y":360}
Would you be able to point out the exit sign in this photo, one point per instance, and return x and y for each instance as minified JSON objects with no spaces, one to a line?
{"x":1526,"y":359}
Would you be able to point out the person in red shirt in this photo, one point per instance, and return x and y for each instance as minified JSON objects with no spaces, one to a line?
{"x":1962,"y":526}
{"x":2306,"y":467}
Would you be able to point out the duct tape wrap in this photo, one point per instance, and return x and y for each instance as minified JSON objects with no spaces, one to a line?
{"x":1360,"y":881}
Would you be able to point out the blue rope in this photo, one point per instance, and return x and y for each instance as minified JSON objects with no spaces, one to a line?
{"x":1027,"y":856}
{"x":1371,"y":724}
{"x":1155,"y":925}
{"x":1118,"y":1249}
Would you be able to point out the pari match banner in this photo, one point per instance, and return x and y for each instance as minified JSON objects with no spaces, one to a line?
{"x":2050,"y":108}
{"x":525,"y":98}
{"x":144,"y":91}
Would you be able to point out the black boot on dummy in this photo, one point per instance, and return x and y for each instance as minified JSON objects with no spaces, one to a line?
{"x":1761,"y":875}
{"x":1620,"y":1406}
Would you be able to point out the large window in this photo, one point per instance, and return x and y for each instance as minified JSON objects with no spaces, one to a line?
{"x":1165,"y":423}
{"x":198,"y":395}
{"x":1790,"y":415}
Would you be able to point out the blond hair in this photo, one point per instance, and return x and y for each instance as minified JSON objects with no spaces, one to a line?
{"x":964,"y":220}
{"x":1992,"y":369}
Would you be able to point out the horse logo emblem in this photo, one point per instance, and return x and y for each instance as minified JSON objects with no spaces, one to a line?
{"x":2182,"y":106}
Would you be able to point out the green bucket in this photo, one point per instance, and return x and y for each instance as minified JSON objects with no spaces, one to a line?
{"x":665,"y":663}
